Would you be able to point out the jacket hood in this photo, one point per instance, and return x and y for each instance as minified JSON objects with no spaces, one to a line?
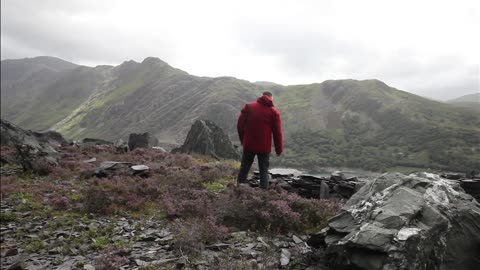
{"x":265,"y":101}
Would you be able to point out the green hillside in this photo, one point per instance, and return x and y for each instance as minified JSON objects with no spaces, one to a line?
{"x":351,"y":123}
{"x":471,"y":101}
{"x":370,"y":125}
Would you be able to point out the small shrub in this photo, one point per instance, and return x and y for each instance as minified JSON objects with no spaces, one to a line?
{"x":275,"y":211}
{"x":191,"y":235}
{"x":187,"y":203}
{"x":96,"y":199}
{"x":34,"y":246}
{"x":100,"y":242}
{"x":7,"y":154}
{"x":112,"y":195}
{"x":112,"y":258}
{"x":9,"y":185}
{"x":7,"y":217}
{"x":61,"y":203}
{"x":219,"y":185}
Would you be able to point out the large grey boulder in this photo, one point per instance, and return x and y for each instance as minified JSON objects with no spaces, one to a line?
{"x":51,"y":137}
{"x":406,"y":222}
{"x":206,"y":138}
{"x":142,"y":140}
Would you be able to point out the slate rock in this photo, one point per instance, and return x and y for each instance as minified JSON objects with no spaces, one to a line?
{"x":206,"y":138}
{"x":285,"y":257}
{"x":405,"y":222}
{"x":141,"y":140}
{"x":296,"y":239}
{"x":34,"y":153}
{"x":19,"y":265}
{"x":109,"y":168}
{"x":121,"y":146}
{"x":337,"y":176}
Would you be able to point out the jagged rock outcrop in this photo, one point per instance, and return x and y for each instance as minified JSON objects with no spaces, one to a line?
{"x":206,"y":138}
{"x":312,"y":186}
{"x":142,"y":140}
{"x":51,"y":137}
{"x":34,"y":151}
{"x":13,"y":135}
{"x":406,"y":222}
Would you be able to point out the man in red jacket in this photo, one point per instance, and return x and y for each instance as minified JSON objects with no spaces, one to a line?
{"x":256,"y":124}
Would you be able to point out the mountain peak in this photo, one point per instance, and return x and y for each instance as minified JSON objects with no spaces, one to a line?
{"x":49,"y":62}
{"x":153,"y":60}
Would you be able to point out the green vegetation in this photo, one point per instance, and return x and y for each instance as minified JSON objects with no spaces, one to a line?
{"x":364,"y":124}
{"x":7,"y":217}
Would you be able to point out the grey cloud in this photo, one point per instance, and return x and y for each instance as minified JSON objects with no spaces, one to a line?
{"x":303,"y":52}
{"x":315,"y":55}
{"x":76,"y":31}
{"x":38,"y":28}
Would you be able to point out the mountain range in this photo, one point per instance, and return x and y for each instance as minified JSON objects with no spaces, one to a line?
{"x":365,"y":124}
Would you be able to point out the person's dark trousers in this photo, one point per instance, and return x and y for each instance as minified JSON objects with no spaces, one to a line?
{"x":263,"y":164}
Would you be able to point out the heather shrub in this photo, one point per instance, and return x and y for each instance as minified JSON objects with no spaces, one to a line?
{"x":165,"y":177}
{"x":111,"y":195}
{"x":8,"y":185}
{"x":191,"y":235}
{"x":180,"y":160}
{"x":61,"y":203}
{"x":212,"y":172}
{"x":187,"y":202}
{"x":147,"y":155}
{"x":112,"y":258}
{"x":275,"y":211}
{"x":96,"y":199}
{"x":7,"y":154}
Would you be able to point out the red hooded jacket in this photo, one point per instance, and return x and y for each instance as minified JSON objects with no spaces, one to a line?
{"x":256,"y":124}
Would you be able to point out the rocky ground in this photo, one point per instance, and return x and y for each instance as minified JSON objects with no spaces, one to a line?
{"x":73,"y":241}
{"x":95,"y":205}
{"x":98,"y":205}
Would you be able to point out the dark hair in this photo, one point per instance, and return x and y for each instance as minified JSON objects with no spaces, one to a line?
{"x":267,"y":94}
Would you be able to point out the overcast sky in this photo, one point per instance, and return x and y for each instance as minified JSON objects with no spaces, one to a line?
{"x":430,"y":48}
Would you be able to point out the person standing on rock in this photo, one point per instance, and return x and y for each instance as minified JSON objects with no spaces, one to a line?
{"x":257,"y":123}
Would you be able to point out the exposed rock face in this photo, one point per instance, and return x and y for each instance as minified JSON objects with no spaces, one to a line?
{"x":406,"y":222}
{"x":311,"y":186}
{"x":33,"y":148}
{"x":206,"y":138}
{"x":51,"y":137}
{"x":143,"y":140}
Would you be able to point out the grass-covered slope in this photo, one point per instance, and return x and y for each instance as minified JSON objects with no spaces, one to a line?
{"x":152,"y":96}
{"x":335,"y":123}
{"x":25,"y":82}
{"x":371,"y":125}
{"x":471,"y":101}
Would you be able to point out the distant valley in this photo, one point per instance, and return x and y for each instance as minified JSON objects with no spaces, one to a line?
{"x":365,"y":124}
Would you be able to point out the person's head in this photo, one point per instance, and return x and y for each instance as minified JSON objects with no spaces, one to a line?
{"x":266,"y":93}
